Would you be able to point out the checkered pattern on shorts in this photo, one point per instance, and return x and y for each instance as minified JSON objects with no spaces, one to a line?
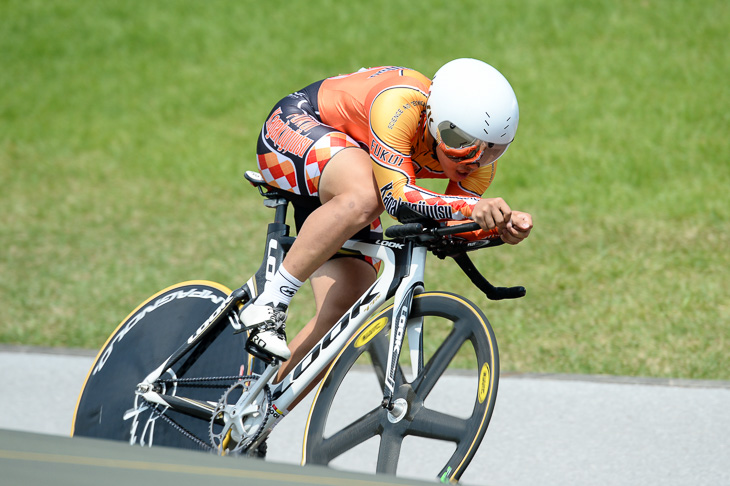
{"x":278,"y":171}
{"x":321,"y":152}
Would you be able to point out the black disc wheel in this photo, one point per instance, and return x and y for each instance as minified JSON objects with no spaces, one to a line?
{"x":108,"y":407}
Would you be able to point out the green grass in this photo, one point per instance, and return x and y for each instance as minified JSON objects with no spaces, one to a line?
{"x":125,"y":129}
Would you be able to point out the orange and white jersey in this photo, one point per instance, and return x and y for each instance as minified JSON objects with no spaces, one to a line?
{"x":384,"y":109}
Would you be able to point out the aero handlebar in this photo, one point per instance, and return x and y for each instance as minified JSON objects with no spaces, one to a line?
{"x":415,"y":229}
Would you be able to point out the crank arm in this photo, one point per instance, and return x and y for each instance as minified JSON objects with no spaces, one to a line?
{"x":247,"y":398}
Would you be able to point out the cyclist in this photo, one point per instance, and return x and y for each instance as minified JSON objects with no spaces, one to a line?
{"x":353,"y":146}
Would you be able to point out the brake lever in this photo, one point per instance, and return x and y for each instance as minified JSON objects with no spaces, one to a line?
{"x":492,"y":292}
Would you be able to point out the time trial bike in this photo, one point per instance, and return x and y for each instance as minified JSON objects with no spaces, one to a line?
{"x":175,"y":372}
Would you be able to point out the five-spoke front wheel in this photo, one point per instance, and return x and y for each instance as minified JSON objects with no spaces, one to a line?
{"x":430,"y":407}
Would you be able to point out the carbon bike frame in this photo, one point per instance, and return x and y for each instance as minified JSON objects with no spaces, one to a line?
{"x":402,"y":278}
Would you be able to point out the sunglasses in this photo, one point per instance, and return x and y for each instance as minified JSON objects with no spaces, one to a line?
{"x":464,"y":149}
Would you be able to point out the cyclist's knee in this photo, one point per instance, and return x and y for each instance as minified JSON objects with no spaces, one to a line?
{"x":362,"y":206}
{"x":370,"y":204}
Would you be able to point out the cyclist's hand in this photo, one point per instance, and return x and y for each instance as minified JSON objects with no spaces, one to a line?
{"x":517,"y":229}
{"x":492,"y":213}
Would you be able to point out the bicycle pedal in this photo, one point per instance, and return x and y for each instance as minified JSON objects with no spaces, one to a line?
{"x":260,"y":352}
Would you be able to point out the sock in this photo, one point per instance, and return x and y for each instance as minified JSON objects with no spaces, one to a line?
{"x":280,"y":289}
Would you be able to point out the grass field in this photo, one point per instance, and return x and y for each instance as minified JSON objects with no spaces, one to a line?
{"x":125,"y":129}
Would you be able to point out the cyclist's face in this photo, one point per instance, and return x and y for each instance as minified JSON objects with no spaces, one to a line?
{"x":453,"y":170}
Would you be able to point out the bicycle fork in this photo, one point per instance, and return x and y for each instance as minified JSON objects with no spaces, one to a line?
{"x":402,"y":325}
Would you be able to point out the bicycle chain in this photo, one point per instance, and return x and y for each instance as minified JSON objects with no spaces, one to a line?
{"x":199,"y":383}
{"x":185,"y":432}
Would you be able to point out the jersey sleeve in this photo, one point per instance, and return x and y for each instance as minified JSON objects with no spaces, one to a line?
{"x":395,"y":114}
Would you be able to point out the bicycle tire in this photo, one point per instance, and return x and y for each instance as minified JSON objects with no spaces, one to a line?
{"x":467,"y":323}
{"x":141,"y":342}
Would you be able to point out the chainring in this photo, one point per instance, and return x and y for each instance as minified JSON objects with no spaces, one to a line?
{"x":232,"y":432}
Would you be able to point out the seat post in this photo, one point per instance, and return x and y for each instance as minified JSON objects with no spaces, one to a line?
{"x":280,"y":205}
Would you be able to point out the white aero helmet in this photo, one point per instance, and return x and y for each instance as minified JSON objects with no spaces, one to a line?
{"x":472,"y":112}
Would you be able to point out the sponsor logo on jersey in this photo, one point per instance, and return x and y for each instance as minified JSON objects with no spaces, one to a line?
{"x":385,"y":154}
{"x":305,"y":122}
{"x":284,"y":137}
{"x":385,"y":70}
{"x":433,"y":211}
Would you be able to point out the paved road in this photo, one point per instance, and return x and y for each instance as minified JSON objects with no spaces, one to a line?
{"x":548,"y":430}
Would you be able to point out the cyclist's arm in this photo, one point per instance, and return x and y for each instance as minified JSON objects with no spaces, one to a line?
{"x":515,"y":225}
{"x":393,"y":128}
{"x":518,"y":228}
{"x":475,"y":185}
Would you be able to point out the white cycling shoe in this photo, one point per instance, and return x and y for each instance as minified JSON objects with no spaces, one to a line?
{"x":268,"y":340}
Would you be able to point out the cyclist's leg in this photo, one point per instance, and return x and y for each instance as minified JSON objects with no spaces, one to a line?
{"x":336,"y":285}
{"x":350,"y":201}
{"x":298,"y":153}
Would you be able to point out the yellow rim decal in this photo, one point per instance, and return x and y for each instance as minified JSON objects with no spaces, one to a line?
{"x":483,"y":382}
{"x":490,"y":389}
{"x":371,"y":331}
